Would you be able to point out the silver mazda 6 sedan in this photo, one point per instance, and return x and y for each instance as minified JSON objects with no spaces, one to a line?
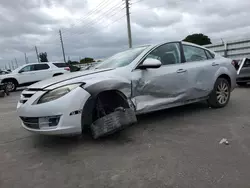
{"x":110,"y":94}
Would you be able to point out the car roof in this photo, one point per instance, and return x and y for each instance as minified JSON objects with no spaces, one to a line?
{"x":44,"y":62}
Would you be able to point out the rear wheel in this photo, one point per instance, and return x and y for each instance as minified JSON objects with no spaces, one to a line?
{"x":11,"y":85}
{"x":241,"y":83}
{"x":220,"y":94}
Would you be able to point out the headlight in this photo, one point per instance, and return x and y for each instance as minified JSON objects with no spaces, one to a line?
{"x":57,"y":93}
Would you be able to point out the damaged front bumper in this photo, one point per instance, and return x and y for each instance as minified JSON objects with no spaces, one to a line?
{"x":62,"y":116}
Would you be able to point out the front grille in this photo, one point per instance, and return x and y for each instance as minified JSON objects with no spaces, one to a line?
{"x":31,"y":122}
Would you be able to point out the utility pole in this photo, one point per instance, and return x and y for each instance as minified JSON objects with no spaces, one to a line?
{"x":16,"y":62}
{"x":12,"y":65}
{"x":37,"y":55}
{"x":25,"y":58}
{"x":60,"y":33}
{"x":128,"y":24}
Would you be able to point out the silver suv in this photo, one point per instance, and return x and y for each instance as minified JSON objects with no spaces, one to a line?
{"x":243,"y":72}
{"x":136,"y":81}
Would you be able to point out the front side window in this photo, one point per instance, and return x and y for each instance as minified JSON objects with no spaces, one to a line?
{"x":168,"y":54}
{"x":27,"y":68}
{"x":41,"y":67}
{"x":193,"y":53}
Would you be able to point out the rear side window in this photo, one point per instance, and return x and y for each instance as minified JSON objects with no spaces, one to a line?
{"x":193,"y":53}
{"x":60,"y":65}
{"x":247,"y":63}
{"x":41,"y":66}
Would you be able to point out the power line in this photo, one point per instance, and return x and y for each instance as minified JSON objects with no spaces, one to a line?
{"x":114,"y":8}
{"x":101,"y":17}
{"x":87,"y":34}
{"x":90,"y":13}
{"x":91,"y":26}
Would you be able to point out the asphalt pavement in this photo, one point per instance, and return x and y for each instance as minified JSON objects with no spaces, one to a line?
{"x":177,"y":147}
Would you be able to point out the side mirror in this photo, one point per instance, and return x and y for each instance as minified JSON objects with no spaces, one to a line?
{"x":150,"y":63}
{"x":21,"y":71}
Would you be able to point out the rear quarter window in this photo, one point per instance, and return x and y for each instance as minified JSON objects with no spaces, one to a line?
{"x":60,"y":65}
{"x":209,"y":54}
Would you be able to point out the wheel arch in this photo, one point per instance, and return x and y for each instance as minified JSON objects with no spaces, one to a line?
{"x":89,"y":107}
{"x":11,"y":78}
{"x":225,"y":76}
{"x":225,"y":73}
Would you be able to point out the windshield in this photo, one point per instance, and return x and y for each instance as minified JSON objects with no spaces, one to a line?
{"x":121,"y":59}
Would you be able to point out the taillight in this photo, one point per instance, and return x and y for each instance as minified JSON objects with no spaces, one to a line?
{"x":235,"y":64}
{"x":67,"y":68}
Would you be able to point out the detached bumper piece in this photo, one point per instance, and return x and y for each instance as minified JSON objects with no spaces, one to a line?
{"x":113,"y":122}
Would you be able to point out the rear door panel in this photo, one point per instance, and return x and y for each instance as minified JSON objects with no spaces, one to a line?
{"x":201,"y":70}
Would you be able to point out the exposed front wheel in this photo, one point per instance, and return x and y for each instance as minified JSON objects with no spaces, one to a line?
{"x":220,"y":94}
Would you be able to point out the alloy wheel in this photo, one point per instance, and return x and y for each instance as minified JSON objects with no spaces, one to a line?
{"x":10,"y":86}
{"x":222,"y":92}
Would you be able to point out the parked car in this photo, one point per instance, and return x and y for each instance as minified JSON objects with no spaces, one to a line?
{"x":243,"y":72}
{"x":31,"y":73}
{"x":2,"y":72}
{"x":142,"y":79}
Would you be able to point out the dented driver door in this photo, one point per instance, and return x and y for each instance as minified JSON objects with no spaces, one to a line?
{"x":158,"y":88}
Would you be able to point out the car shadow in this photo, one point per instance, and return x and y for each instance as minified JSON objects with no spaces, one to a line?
{"x":122,"y":137}
{"x":246,"y":86}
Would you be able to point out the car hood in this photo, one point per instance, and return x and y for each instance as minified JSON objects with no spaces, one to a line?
{"x":2,"y":76}
{"x":66,"y":77}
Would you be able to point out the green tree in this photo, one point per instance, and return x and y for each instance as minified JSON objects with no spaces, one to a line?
{"x":198,"y":38}
{"x":87,"y":60}
{"x":43,"y":57}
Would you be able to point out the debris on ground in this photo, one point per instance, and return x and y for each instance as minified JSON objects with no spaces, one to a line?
{"x":113,"y":122}
{"x":224,"y":141}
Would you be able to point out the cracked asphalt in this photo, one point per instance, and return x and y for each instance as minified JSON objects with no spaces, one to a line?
{"x":172,"y":148}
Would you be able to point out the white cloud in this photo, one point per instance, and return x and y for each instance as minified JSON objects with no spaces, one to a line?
{"x":97,"y":28}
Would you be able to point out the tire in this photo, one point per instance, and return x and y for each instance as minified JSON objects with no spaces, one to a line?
{"x":11,"y":85}
{"x":241,"y":83}
{"x":220,"y":94}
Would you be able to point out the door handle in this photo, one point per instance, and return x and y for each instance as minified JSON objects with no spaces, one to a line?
{"x":181,"y":70}
{"x":215,"y":64}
